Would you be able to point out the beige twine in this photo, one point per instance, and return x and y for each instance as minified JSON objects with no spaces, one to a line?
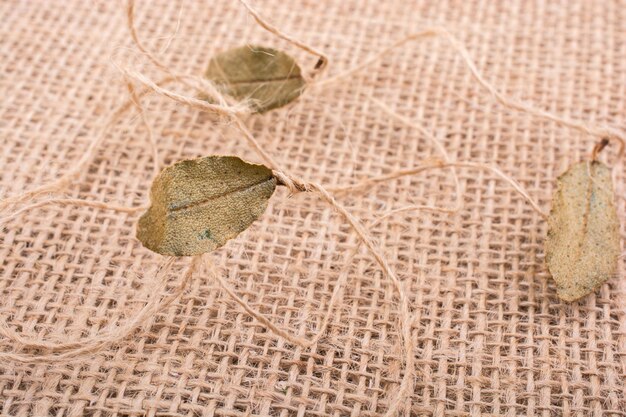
{"x":232,"y":110}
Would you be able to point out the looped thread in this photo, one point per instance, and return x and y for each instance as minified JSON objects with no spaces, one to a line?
{"x":609,"y":132}
{"x":322,"y":61}
{"x":70,"y":350}
{"x":79,"y":167}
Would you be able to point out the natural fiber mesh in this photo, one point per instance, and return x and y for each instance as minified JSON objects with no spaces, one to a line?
{"x":492,"y":337}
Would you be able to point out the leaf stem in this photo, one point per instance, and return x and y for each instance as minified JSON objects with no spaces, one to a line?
{"x":598,"y":148}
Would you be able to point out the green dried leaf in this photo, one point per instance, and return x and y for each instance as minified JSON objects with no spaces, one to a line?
{"x":199,"y":204}
{"x":267,"y":77}
{"x":582,"y":247}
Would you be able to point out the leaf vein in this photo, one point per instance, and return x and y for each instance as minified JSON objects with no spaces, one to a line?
{"x":208,"y":200}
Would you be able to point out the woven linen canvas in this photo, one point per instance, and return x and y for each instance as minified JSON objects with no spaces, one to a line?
{"x":491,"y":337}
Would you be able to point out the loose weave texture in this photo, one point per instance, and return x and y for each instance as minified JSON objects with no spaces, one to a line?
{"x":491,"y":336}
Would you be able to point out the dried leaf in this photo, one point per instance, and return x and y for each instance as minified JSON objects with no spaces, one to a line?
{"x":199,"y":204}
{"x":267,"y":77}
{"x":582,"y":247}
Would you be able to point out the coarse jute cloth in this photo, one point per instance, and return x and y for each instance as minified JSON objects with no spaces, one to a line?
{"x":491,"y":336}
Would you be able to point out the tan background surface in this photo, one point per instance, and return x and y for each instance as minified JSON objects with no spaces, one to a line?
{"x":492,"y":338}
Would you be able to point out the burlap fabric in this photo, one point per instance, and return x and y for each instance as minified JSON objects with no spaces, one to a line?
{"x":492,"y":338}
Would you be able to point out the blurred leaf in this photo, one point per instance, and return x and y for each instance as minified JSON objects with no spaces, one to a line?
{"x":265,"y":76}
{"x":583,"y":246}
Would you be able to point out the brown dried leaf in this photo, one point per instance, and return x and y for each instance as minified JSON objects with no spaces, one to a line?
{"x":199,"y":204}
{"x":582,"y":247}
{"x":265,"y":76}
